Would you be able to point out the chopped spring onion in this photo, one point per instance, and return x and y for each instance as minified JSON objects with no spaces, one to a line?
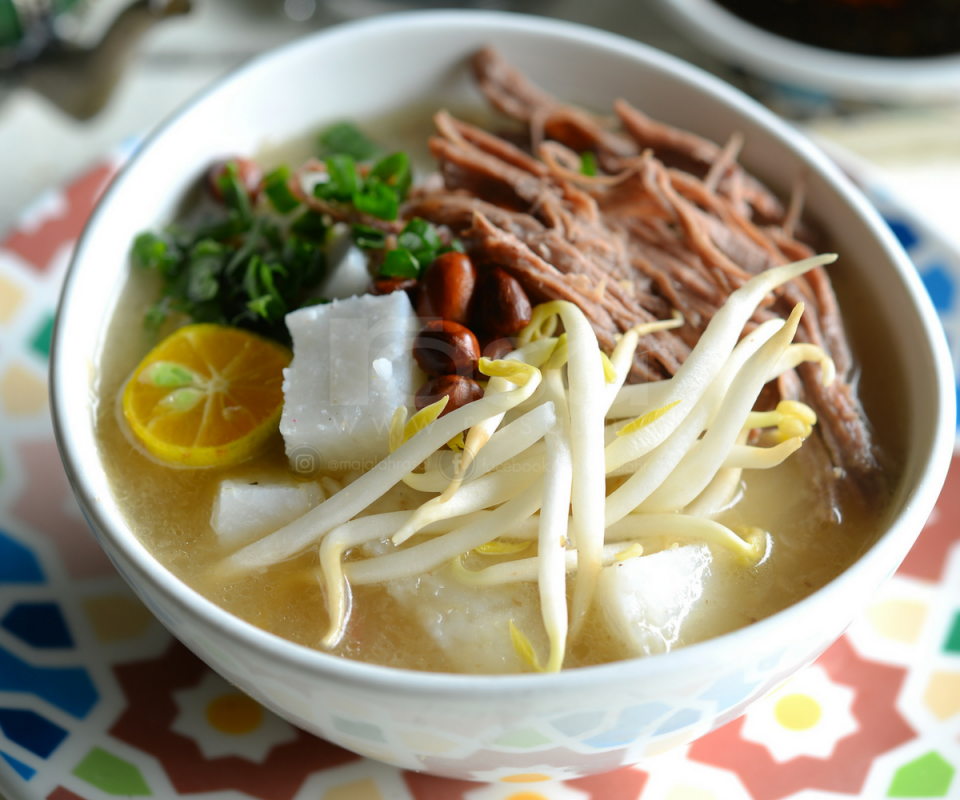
{"x":400,"y":263}
{"x":369,"y":238}
{"x":276,"y":188}
{"x":588,"y":163}
{"x":235,"y":266}
{"x":347,"y":138}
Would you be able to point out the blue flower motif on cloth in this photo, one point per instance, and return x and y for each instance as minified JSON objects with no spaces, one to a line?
{"x":225,"y":722}
{"x":904,"y":231}
{"x":805,"y":717}
{"x":17,"y":563}
{"x":31,"y":731}
{"x":68,"y":688}
{"x":940,"y":285}
{"x":38,"y":624}
{"x":25,"y":771}
{"x":936,"y":262}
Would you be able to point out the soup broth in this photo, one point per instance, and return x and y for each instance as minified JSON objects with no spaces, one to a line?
{"x":169,"y":509}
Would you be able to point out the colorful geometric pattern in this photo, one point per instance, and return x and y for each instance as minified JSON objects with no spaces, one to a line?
{"x":98,"y":701}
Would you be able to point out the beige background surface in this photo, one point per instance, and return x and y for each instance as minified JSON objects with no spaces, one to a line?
{"x":916,"y":150}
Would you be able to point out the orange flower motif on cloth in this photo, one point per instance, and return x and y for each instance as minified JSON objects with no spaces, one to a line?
{"x":774,"y":771}
{"x":184,"y":702}
{"x":225,"y":722}
{"x":805,"y":717}
{"x":501,"y":791}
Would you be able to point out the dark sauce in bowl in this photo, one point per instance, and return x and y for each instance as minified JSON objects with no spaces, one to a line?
{"x":889,"y":28}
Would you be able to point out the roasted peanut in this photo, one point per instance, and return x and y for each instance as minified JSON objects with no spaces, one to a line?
{"x":500,"y":306}
{"x":460,"y":390}
{"x":391,"y":285}
{"x":250,"y":176}
{"x":446,"y":348}
{"x":446,"y":288}
{"x":496,"y":347}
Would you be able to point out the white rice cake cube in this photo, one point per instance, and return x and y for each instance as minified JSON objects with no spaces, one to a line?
{"x":352,"y":366}
{"x":244,"y":511}
{"x":470,"y":624}
{"x":349,"y":273}
{"x":646,"y":600}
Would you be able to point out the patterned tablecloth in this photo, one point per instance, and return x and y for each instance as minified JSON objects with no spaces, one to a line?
{"x":98,"y":700}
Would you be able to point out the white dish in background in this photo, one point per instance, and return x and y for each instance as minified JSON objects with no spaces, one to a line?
{"x":935,"y":255}
{"x":502,"y":727}
{"x":794,"y":65}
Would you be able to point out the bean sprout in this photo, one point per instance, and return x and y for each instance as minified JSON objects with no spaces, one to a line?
{"x":552,"y":541}
{"x":674,"y":453}
{"x":346,"y":504}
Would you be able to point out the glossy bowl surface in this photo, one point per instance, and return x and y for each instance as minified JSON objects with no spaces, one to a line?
{"x":794,"y":65}
{"x":476,"y":727}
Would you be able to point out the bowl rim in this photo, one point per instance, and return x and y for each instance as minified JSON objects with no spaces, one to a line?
{"x":437,"y":685}
{"x":739,"y":41}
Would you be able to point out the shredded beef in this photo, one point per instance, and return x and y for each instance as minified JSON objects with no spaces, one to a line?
{"x":673,"y":222}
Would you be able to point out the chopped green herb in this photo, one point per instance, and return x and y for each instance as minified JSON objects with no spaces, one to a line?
{"x":342,"y":180}
{"x":267,"y":271}
{"x":153,"y":252}
{"x":241,"y":265}
{"x":588,"y":163}
{"x":421,"y":237}
{"x":378,"y":200}
{"x":310,"y":225}
{"x":235,"y":271}
{"x":234,"y":192}
{"x":394,"y":170}
{"x":346,"y":139}
{"x":369,"y":238}
{"x":261,"y":306}
{"x":418,"y":245}
{"x":156,"y":314}
{"x":307,"y":264}
{"x":379,"y":194}
{"x":203,"y":267}
{"x":400,"y":263}
{"x":276,"y":188}
{"x":316,"y":301}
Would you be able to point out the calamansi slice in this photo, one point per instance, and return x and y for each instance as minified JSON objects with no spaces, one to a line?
{"x":207,"y":395}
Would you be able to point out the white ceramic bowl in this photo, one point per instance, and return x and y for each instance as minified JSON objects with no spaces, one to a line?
{"x":794,"y":65}
{"x":488,"y":728}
